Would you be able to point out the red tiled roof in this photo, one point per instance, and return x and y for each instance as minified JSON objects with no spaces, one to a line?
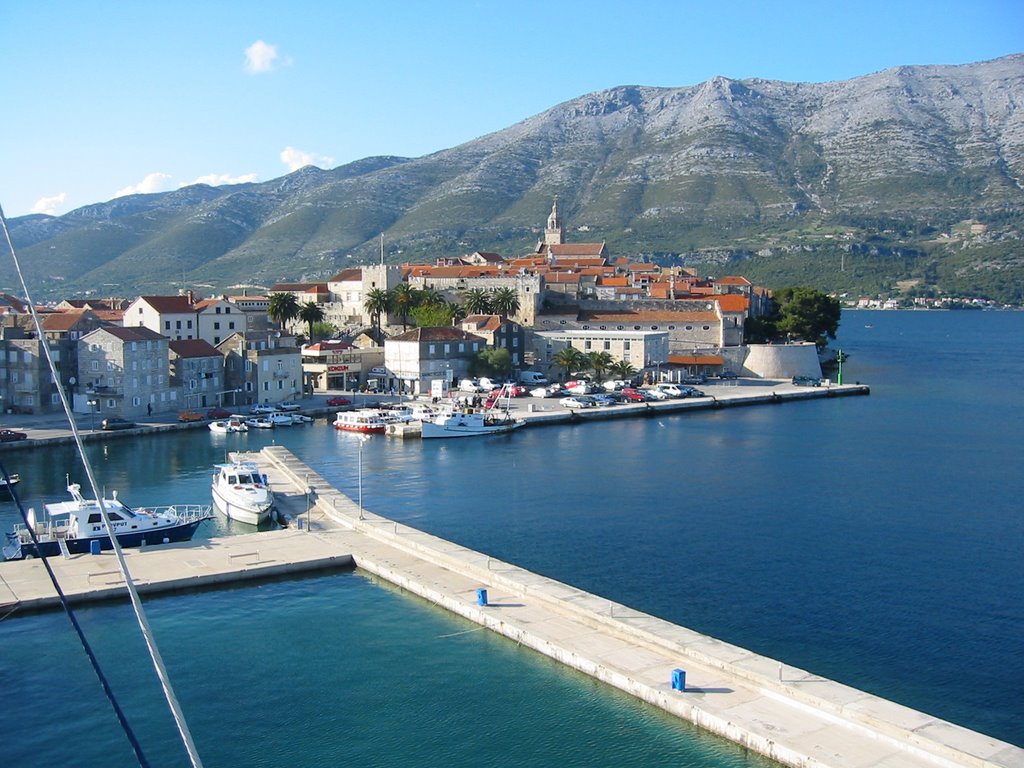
{"x":299,"y":288}
{"x":327,"y":346}
{"x":169,"y":304}
{"x":63,"y":321}
{"x":483,"y":322}
{"x":732,"y":302}
{"x":347,"y":276}
{"x":647,"y":316}
{"x":732,"y":280}
{"x":134,"y":333}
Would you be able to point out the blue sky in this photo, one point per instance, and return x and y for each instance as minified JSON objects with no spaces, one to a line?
{"x":107,"y":98}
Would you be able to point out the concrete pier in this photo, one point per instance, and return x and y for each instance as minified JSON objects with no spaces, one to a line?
{"x":788,"y":714}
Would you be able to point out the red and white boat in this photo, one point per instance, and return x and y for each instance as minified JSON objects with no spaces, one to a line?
{"x":365,"y":420}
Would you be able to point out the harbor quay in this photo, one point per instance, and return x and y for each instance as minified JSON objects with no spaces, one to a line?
{"x":788,"y":714}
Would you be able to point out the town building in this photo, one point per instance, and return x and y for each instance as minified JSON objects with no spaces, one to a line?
{"x":333,"y":365}
{"x":499,"y":333}
{"x":184,"y":317}
{"x":641,"y":349}
{"x":197,"y":368}
{"x":261,"y":367}
{"x":126,"y":372}
{"x":419,"y":357}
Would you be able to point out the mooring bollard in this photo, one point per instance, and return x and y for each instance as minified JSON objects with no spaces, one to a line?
{"x":678,"y":680}
{"x":481,"y":597}
{"x":94,"y":547}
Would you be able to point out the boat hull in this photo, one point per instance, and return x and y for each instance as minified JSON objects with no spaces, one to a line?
{"x":79,"y":546}
{"x":244,"y":513}
{"x":450,"y":430}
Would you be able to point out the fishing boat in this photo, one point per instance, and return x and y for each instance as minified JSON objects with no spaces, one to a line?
{"x":6,"y":485}
{"x":71,"y":527}
{"x":469,"y":423}
{"x":229,"y":425}
{"x":242,"y":493}
{"x":365,"y":420}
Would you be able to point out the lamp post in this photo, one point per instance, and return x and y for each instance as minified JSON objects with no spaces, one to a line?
{"x":362,"y":440}
{"x":308,"y":491}
{"x":92,"y":402}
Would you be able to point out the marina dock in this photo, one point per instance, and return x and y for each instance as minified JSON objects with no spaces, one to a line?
{"x":788,"y":714}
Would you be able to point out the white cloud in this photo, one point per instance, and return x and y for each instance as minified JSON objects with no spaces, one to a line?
{"x":219,"y":179}
{"x":260,"y":57}
{"x":297,"y":158}
{"x":49,"y":205}
{"x":154,"y":182}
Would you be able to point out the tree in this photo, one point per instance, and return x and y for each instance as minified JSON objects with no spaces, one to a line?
{"x":600,"y":362}
{"x":403,"y":299}
{"x":432,"y":315}
{"x":622,"y":370}
{"x":569,"y":359}
{"x":505,"y":301}
{"x":477,"y":301}
{"x":377,"y":302}
{"x":323,"y":330}
{"x":808,"y":314}
{"x":311,"y":313}
{"x":491,"y":362}
{"x":283,"y":308}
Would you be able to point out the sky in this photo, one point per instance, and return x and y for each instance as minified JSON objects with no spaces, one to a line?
{"x":103,"y":99}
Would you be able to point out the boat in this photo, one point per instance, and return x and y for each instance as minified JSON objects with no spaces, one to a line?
{"x":301,"y":418}
{"x":242,"y":493}
{"x":259,"y":422}
{"x":280,"y":419}
{"x":469,"y":423}
{"x":231,"y":424}
{"x":365,"y":420}
{"x":72,"y":527}
{"x":6,"y":485}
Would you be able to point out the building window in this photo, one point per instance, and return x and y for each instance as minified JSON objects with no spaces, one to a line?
{"x":607,"y":346}
{"x":625,"y":346}
{"x":636,"y":327}
{"x":671,"y":327}
{"x":430,"y":349}
{"x":216,"y":310}
{"x":618,"y":327}
{"x":231,"y":325}
{"x":689,"y":327}
{"x":111,"y":403}
{"x":586,"y":344}
{"x":136,"y":401}
{"x":189,"y":324}
{"x":462,"y":347}
{"x":167,"y":325}
{"x":707,"y":327}
{"x":216,"y":325}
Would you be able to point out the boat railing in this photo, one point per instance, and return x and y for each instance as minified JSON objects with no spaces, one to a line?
{"x":186,"y":513}
{"x":44,"y":529}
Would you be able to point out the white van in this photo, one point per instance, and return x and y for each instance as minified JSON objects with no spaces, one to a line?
{"x":533,"y":378}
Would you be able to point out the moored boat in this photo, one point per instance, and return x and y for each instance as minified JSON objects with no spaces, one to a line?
{"x":72,"y":526}
{"x":231,"y":424}
{"x":259,"y":422}
{"x":242,"y":493}
{"x":365,"y":420}
{"x":6,"y":485}
{"x":469,"y":423}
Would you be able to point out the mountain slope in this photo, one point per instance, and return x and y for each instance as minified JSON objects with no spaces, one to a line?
{"x":882,"y":167}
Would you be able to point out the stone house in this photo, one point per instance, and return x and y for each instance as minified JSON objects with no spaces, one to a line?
{"x":197,"y":367}
{"x":261,"y":367}
{"x":126,"y":371}
{"x":418,"y":357}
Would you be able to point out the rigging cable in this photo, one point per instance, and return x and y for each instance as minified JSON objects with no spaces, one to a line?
{"x":125,"y":725}
{"x":140,"y":614}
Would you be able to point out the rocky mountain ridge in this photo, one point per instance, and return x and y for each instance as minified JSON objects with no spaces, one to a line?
{"x":885,"y":166}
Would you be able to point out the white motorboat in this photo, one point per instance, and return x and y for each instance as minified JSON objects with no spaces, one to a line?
{"x":71,"y":527}
{"x":231,"y":424}
{"x":280,"y":419}
{"x":469,"y":423}
{"x":242,"y":493}
{"x":301,"y":418}
{"x":5,"y":486}
{"x":259,"y":422}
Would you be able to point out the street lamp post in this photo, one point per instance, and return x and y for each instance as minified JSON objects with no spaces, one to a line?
{"x":92,"y":414}
{"x":362,"y":440}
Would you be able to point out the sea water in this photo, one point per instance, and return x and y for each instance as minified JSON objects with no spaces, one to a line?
{"x":874,"y":540}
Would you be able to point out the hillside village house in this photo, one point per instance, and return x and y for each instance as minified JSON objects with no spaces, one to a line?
{"x":417,"y":358}
{"x":126,"y":372}
{"x":261,"y":367}
{"x":182,"y":317}
{"x":197,"y":368}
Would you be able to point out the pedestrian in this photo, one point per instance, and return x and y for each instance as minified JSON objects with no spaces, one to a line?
{"x":149,"y":409}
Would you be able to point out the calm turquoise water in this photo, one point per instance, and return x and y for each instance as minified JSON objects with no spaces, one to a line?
{"x":875,"y":540}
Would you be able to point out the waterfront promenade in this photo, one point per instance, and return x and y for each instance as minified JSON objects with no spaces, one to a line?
{"x":785,"y":713}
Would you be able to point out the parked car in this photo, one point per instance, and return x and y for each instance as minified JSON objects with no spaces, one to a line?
{"x":536,"y":378}
{"x":471,"y":385}
{"x":614,"y":385}
{"x":696,"y":378}
{"x":806,"y":381}
{"x":337,"y":402}
{"x":692,"y":392}
{"x":116,"y":422}
{"x":552,"y":390}
{"x":287,"y":405}
{"x":262,"y":408}
{"x":672,"y":390}
{"x":217,"y":413}
{"x":187,"y":416}
{"x":605,"y":399}
{"x":727,"y":375}
{"x":635,"y":395}
{"x":578,"y":401}
{"x":10,"y":436}
{"x":581,"y":388}
{"x":656,"y":394}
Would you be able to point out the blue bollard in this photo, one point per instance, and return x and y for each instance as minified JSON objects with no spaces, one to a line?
{"x":94,"y":547}
{"x":678,"y":680}
{"x":481,"y":597}
{"x":298,"y":523}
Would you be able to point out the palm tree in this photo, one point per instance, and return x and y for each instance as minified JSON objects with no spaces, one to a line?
{"x":283,"y":308}
{"x":505,"y":301}
{"x":477,"y":301}
{"x":311,"y":313}
{"x":377,"y":302}
{"x":570,"y":359}
{"x":600,"y":362}
{"x":622,"y":370}
{"x":429,"y":296}
{"x":403,"y":299}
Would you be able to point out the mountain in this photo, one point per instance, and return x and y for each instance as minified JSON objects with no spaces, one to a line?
{"x":912,"y":174}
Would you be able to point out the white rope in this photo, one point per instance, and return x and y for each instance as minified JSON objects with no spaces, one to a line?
{"x":140,"y":614}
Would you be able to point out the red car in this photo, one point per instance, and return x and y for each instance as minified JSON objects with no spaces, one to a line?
{"x":9,"y":436}
{"x":217,"y":413}
{"x":338,"y":401}
{"x":634,"y":395}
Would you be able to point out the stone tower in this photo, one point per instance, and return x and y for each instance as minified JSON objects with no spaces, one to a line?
{"x":553,"y":234}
